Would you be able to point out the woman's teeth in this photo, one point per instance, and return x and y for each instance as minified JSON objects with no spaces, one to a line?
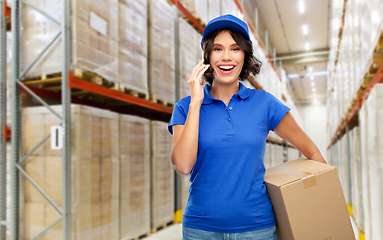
{"x":226,"y":67}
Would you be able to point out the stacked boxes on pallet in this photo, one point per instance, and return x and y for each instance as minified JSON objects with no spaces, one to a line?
{"x":94,"y":37}
{"x":111,"y":45}
{"x":229,"y":7}
{"x":190,"y":54}
{"x":214,"y":9}
{"x":356,"y":174}
{"x":161,"y":51}
{"x":135,"y":176}
{"x":95,"y":173}
{"x":162,"y":180}
{"x":185,"y":185}
{"x":374,"y":149}
{"x":122,"y":178}
{"x":133,"y":44}
{"x":366,"y":144}
{"x":274,"y":154}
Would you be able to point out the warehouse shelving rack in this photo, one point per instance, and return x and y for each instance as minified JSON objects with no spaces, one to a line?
{"x":68,"y":82}
{"x":351,"y":118}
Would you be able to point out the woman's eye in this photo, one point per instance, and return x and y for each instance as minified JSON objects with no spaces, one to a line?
{"x":235,"y":49}
{"x":217,"y":49}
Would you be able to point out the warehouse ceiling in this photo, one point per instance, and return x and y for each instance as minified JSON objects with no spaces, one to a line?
{"x":302,"y":52}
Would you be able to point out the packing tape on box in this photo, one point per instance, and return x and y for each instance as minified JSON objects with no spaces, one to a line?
{"x":308,"y":178}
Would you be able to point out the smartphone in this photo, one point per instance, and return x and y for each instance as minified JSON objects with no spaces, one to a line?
{"x":202,"y":79}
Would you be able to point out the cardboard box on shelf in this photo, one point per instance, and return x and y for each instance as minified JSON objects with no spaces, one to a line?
{"x":94,"y":177}
{"x":308,"y":201}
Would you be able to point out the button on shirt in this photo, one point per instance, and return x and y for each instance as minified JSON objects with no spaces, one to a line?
{"x":227,"y":192}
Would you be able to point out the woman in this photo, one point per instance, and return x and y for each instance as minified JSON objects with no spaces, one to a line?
{"x":219,"y":137}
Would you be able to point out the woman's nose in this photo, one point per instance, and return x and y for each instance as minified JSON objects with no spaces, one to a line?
{"x":226,"y":55}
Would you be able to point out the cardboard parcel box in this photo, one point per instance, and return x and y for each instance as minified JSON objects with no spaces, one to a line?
{"x":308,"y":201}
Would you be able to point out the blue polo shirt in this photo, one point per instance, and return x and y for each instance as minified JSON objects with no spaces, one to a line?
{"x":227,"y":192}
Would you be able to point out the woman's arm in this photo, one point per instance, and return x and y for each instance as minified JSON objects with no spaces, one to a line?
{"x":185,"y":137}
{"x":289,"y":130}
{"x":185,"y":141}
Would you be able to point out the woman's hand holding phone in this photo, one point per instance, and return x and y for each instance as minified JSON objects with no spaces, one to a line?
{"x":195,"y":83}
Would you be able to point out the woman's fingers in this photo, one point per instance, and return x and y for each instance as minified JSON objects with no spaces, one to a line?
{"x":198,"y":68}
{"x":200,"y":75}
{"x":198,"y":71}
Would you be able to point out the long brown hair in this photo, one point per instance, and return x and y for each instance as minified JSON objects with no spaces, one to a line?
{"x":251,"y":63}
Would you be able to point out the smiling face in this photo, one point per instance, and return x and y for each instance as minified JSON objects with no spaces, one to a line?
{"x":226,"y":58}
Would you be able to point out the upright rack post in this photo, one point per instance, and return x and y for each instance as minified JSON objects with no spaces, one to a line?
{"x":177,"y":179}
{"x":3,"y":119}
{"x":66,"y":120}
{"x":17,"y":165}
{"x":15,"y":118}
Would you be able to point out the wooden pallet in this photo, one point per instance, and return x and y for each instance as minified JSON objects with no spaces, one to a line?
{"x":143,"y":236}
{"x":95,"y":78}
{"x":53,"y":82}
{"x":155,"y":229}
{"x":134,"y":93}
{"x":154,"y":99}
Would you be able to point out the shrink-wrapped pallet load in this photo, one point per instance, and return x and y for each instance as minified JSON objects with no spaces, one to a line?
{"x":108,"y":38}
{"x":364,"y":113}
{"x":94,"y":37}
{"x":135,"y":176}
{"x":94,"y":174}
{"x":345,"y":180}
{"x":162,"y":176}
{"x":214,"y":9}
{"x":356,"y":171}
{"x":185,"y":185}
{"x":161,"y":51}
{"x":133,"y":44}
{"x":189,"y":52}
{"x":374,"y":103}
{"x":267,"y":158}
{"x":229,"y":7}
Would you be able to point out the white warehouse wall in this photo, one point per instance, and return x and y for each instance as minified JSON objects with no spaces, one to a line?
{"x":314,"y":123}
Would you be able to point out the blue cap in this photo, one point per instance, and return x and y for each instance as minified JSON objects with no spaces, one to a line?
{"x":226,"y":21}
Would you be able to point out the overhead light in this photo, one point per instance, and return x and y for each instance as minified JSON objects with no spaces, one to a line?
{"x":305,"y":29}
{"x":310,"y":69}
{"x":307,"y":46}
{"x":312,"y":84}
{"x":311,"y":78}
{"x":314,"y":90}
{"x":301,"y":6}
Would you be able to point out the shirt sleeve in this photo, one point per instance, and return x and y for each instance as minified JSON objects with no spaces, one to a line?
{"x":277,"y":110}
{"x":179,"y":115}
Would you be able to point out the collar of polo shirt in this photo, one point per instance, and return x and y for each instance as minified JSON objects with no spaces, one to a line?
{"x":243,"y":93}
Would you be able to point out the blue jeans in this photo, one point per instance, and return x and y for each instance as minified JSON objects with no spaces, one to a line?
{"x":196,"y":234}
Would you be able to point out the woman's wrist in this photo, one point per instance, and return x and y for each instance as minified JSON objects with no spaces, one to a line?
{"x":195,"y":103}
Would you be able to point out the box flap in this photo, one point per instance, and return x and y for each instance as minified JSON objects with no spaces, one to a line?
{"x":294,"y":170}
